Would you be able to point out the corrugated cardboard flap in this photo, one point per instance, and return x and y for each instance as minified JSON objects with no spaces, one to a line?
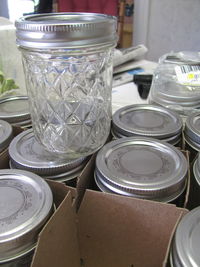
{"x":58,"y":244}
{"x":124,"y":232}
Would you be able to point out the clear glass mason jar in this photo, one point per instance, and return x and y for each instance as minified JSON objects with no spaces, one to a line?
{"x":67,"y":60}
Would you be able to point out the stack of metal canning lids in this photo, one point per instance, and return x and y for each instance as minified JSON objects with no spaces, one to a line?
{"x":26,"y":203}
{"x":15,"y":110}
{"x":192,"y":130}
{"x":185,"y":245}
{"x":6,"y":134}
{"x":147,"y":120}
{"x":26,"y":153}
{"x":141,"y":167}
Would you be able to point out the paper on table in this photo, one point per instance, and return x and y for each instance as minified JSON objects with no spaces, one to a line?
{"x":126,"y":94}
{"x":131,"y":53}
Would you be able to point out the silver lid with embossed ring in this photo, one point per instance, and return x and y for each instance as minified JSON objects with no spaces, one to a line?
{"x":14,"y":109}
{"x":146,"y":120}
{"x":6,"y":134}
{"x":185,"y":245}
{"x":142,"y":167}
{"x":66,"y":30}
{"x":173,"y":140}
{"x":26,"y":153}
{"x":26,"y":203}
{"x":192,"y":129}
{"x":61,"y":177}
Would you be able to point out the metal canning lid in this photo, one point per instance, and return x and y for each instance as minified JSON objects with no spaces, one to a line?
{"x":26,"y":203}
{"x":68,"y":175}
{"x":62,"y":177}
{"x":171,"y":96}
{"x":66,"y":30}
{"x":142,"y":167}
{"x":26,"y":153}
{"x":23,"y":124}
{"x":6,"y":134}
{"x":191,"y":143}
{"x":192,"y":127}
{"x":196,"y":170}
{"x":14,"y":109}
{"x":146,"y":120}
{"x":174,"y":140}
{"x":185,"y":246}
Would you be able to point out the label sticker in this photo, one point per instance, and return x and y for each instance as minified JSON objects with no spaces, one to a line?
{"x":188,"y":74}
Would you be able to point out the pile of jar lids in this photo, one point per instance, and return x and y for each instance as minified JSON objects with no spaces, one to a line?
{"x":29,"y":204}
{"x":147,"y":120}
{"x":27,"y":153}
{"x":192,"y":130}
{"x":141,"y":167}
{"x":15,"y":110}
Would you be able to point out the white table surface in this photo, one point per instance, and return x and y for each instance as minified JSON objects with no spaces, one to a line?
{"x":127,"y":94}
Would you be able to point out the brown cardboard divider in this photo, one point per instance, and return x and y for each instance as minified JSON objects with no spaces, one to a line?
{"x":122,"y":231}
{"x":108,"y":230}
{"x":86,"y":180}
{"x":58,"y":243}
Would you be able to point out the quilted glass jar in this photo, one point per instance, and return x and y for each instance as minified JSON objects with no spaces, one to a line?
{"x":67,"y":60}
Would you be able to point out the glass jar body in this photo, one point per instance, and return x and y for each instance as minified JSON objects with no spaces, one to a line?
{"x":70,"y":98}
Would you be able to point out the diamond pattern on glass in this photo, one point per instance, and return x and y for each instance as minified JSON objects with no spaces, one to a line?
{"x":70,"y":100}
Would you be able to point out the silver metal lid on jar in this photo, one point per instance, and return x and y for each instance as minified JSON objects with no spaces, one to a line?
{"x":196,"y":169}
{"x":26,"y":153}
{"x":185,"y":246}
{"x":142,"y":167}
{"x":192,"y":129}
{"x":61,"y":177}
{"x":66,"y":30}
{"x":147,"y":120}
{"x":6,"y":134}
{"x":25,"y":205}
{"x":15,"y":109}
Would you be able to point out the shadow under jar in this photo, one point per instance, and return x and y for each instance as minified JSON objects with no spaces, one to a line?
{"x":142,"y":167}
{"x":67,"y":60}
{"x":26,"y":205}
{"x":194,"y":196}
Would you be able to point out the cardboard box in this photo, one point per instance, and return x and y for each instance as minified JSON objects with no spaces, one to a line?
{"x":108,"y":230}
{"x":96,"y":229}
